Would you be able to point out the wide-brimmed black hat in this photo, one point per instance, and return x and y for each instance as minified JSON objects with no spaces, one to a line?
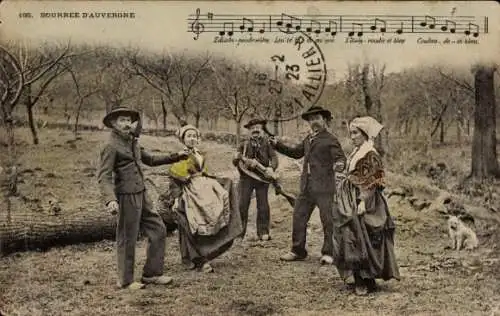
{"x":317,"y":110}
{"x":253,"y":122}
{"x":121,"y":110}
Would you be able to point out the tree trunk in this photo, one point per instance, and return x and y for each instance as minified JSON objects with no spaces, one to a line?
{"x":164,"y":113}
{"x":380,"y":142}
{"x":77,"y":117}
{"x":8,"y":179}
{"x":459,"y":130}
{"x":31,"y":122}
{"x":441,"y":132}
{"x":238,"y":132}
{"x":197,"y":117}
{"x":366,"y":89}
{"x":484,"y":154}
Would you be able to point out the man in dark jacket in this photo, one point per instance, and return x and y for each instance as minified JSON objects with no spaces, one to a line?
{"x":256,"y":149}
{"x":126,"y":195}
{"x":323,"y":155}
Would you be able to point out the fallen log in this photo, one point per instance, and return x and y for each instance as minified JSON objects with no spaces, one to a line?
{"x":40,"y":231}
{"x":43,"y":230}
{"x":32,"y":230}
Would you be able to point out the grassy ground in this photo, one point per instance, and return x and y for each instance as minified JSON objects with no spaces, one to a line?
{"x":249,"y":279}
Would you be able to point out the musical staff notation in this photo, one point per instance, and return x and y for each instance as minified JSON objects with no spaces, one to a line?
{"x":332,"y":25}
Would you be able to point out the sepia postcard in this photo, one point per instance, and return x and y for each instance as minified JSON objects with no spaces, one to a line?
{"x":249,"y":158}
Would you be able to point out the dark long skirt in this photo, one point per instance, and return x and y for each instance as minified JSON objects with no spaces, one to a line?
{"x":200,"y":249}
{"x":365,"y":242}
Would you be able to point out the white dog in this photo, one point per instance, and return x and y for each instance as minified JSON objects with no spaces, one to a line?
{"x":461,"y":235}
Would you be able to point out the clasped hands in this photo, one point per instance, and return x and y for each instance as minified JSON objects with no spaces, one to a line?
{"x":184,"y":154}
{"x":339,"y":166}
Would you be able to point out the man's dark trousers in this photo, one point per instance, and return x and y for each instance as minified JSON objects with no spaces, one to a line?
{"x":304,"y":206}
{"x":246,"y":186}
{"x":136,"y":213}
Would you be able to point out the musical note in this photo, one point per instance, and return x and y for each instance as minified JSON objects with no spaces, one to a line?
{"x":400,"y":30}
{"x":382,"y":29}
{"x":317,"y":28}
{"x":432,"y":25}
{"x":360,"y":25}
{"x":329,"y":29}
{"x":445,"y":27}
{"x":228,"y":24}
{"x":263,"y":28}
{"x":224,"y":26}
{"x":468,"y":31}
{"x":197,"y":27}
{"x":248,"y":21}
{"x":289,"y":25}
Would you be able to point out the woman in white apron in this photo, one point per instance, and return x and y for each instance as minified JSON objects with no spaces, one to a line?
{"x":205,"y":207}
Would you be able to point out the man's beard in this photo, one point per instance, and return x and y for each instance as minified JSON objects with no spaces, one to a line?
{"x":126,"y":131}
{"x":316,"y":126}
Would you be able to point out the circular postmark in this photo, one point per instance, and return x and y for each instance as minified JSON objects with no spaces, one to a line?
{"x":296,"y":77}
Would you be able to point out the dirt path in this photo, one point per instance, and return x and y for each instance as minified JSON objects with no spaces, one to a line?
{"x":250,"y":279}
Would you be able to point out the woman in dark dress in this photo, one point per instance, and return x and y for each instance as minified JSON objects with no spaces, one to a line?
{"x":365,"y":230}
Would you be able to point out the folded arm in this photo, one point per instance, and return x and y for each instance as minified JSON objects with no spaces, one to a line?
{"x":273,"y":157}
{"x":338,"y":155}
{"x":240,"y":151}
{"x":105,"y":174}
{"x":368,"y":176}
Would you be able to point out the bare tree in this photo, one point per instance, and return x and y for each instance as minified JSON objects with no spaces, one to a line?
{"x":11,"y":84}
{"x":87,"y":82}
{"x":484,"y":155}
{"x":153,"y":108}
{"x":118,"y":84}
{"x":365,"y":84}
{"x":238,"y":96}
{"x":39,"y":68}
{"x":174,"y":76}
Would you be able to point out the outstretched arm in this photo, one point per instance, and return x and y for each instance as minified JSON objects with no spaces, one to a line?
{"x":296,"y":152}
{"x":157,"y":160}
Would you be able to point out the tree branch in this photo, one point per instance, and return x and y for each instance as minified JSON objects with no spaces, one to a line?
{"x":466,"y":86}
{"x":44,"y":86}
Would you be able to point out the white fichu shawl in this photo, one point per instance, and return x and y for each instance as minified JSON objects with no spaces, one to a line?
{"x":370,"y":127}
